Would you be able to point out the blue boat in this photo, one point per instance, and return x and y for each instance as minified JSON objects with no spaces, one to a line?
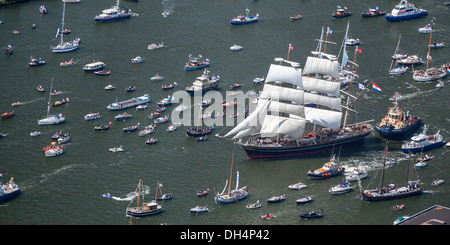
{"x":195,"y":63}
{"x":9,"y":190}
{"x":113,"y":14}
{"x":129,"y":103}
{"x":241,"y":19}
{"x":397,"y":124}
{"x":405,"y":11}
{"x":328,"y":170}
{"x":423,"y":142}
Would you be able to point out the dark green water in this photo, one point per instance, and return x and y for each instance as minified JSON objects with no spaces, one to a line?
{"x":68,"y":189}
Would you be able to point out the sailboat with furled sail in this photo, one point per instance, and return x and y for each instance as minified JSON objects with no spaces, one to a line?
{"x":389,"y":192}
{"x":51,"y":119}
{"x":232,"y":196}
{"x":64,"y":47}
{"x":294,"y":99}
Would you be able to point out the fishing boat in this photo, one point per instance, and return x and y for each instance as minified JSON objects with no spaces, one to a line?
{"x":341,"y":12}
{"x":151,"y":141}
{"x":423,"y":142}
{"x":397,"y":124}
{"x":129,"y":103}
{"x":154,"y":46}
{"x":312,"y":214}
{"x":63,"y":47}
{"x":92,"y":116}
{"x":122,"y":117}
{"x":356,"y":174}
{"x":8,"y":114}
{"x":429,"y":74}
{"x":102,"y":72}
{"x":142,"y":208}
{"x":54,"y":118}
{"x":199,"y":209}
{"x":389,"y":192}
{"x":94,"y":66}
{"x":9,"y":190}
{"x":437,"y":182}
{"x":297,"y":186}
{"x":286,"y":91}
{"x":405,"y":11}
{"x":276,"y":199}
{"x":295,"y":17}
{"x":137,"y":59}
{"x":329,"y":169}
{"x":67,"y":63}
{"x":43,"y":9}
{"x":203,"y":83}
{"x":232,"y":196}
{"x":236,"y":47}
{"x":35,"y":62}
{"x":244,"y":19}
{"x":163,"y":119}
{"x":116,"y":149}
{"x":115,"y":13}
{"x":195,"y":63}
{"x":304,"y":200}
{"x":373,"y":13}
{"x":341,"y":188}
{"x":157,"y":77}
{"x":101,"y":127}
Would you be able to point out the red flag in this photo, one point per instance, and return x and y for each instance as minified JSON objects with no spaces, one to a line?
{"x":358,"y":49}
{"x":291,"y":47}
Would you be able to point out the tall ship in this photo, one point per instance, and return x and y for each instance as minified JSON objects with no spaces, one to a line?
{"x":115,"y":13}
{"x":299,"y":112}
{"x":51,"y":118}
{"x":64,"y":47}
{"x":397,"y":123}
{"x":405,"y":11}
{"x":129,"y":103}
{"x":204,"y":83}
{"x":391,"y":191}
{"x":142,"y":208}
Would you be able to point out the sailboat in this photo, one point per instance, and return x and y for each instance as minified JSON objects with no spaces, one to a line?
{"x":143,"y":208}
{"x":398,"y":70}
{"x":232,"y":196}
{"x":430,"y":74}
{"x":63,"y":47}
{"x":51,"y":119}
{"x":383,"y":193}
{"x":282,"y":113}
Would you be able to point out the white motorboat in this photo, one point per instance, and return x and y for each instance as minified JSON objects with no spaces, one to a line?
{"x":35,"y":133}
{"x":356,"y":174}
{"x":64,"y":138}
{"x":94,"y":66}
{"x":161,"y":119}
{"x":137,"y":59}
{"x":155,"y":46}
{"x":399,"y":70}
{"x":437,"y":182}
{"x":110,"y":87}
{"x":297,"y":186}
{"x":171,"y":128}
{"x":440,"y":84}
{"x":352,"y":42}
{"x":426,"y":29}
{"x":341,"y":188}
{"x":116,"y":149}
{"x":236,"y":47}
{"x":157,"y":77}
{"x":199,"y":209}
{"x":304,"y":200}
{"x":258,"y":80}
{"x":92,"y":116}
{"x":113,"y":14}
{"x":277,"y":199}
{"x":54,"y":151}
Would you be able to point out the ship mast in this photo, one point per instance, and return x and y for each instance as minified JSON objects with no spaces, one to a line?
{"x":382,"y":170}
{"x":231,"y":173}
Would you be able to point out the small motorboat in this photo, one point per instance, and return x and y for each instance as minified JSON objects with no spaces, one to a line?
{"x":155,"y":46}
{"x":304,"y":200}
{"x":297,"y":186}
{"x":164,"y":102}
{"x":110,"y":87}
{"x":399,"y":70}
{"x":437,"y":182}
{"x":107,"y":195}
{"x":440,"y":84}
{"x":312,"y":214}
{"x":276,"y":199}
{"x":398,"y":207}
{"x":42,"y":9}
{"x":268,"y":216}
{"x":60,"y":102}
{"x":142,"y":107}
{"x":171,"y":128}
{"x":426,"y":29}
{"x":199,"y":209}
{"x":116,"y":149}
{"x":122,"y":117}
{"x":198,"y":131}
{"x":373,"y":13}
{"x":92,"y":116}
{"x":356,"y":174}
{"x":163,"y":197}
{"x":137,"y":59}
{"x":341,"y":188}
{"x":9,"y":49}
{"x":131,"y":128}
{"x":202,"y":138}
{"x":258,"y":80}
{"x":235,"y":85}
{"x":131,"y":89}
{"x":295,"y":17}
{"x":55,"y":92}
{"x":64,"y":138}
{"x":101,"y":127}
{"x":67,"y":63}
{"x":157,"y":77}
{"x":15,"y":32}
{"x":54,"y":151}
{"x":161,"y":119}
{"x":254,"y":205}
{"x":202,"y":193}
{"x":427,"y":157}
{"x":151,"y":141}
{"x":35,"y":133}
{"x":236,"y":47}
{"x":66,"y":31}
{"x":154,"y":114}
{"x":35,"y":62}
{"x":17,"y":103}
{"x":437,"y":45}
{"x":340,"y":13}
{"x":40,"y":88}
{"x":421,"y":164}
{"x":170,"y":86}
{"x":352,"y":42}
{"x":148,"y":130}
{"x":103,"y":72}
{"x":8,"y":114}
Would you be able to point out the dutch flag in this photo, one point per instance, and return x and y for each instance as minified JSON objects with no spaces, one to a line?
{"x":376,"y":88}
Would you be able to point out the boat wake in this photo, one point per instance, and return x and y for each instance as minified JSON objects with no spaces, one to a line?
{"x":168,"y":6}
{"x":130,"y":196}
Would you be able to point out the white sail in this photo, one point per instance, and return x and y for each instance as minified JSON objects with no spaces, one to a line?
{"x":324,"y":118}
{"x":277,"y":107}
{"x":321,"y":66}
{"x":278,"y":93}
{"x":321,"y":86}
{"x":252,"y":123}
{"x":285,"y":74}
{"x":272,"y":125}
{"x":330,"y":102}
{"x":237,"y":180}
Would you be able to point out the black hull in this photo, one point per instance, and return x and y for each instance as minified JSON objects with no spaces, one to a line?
{"x":397,"y":134}
{"x":368,"y":198}
{"x":299,"y":151}
{"x":193,"y":133}
{"x":325,"y":175}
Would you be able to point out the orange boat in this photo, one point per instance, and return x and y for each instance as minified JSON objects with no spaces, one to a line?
{"x":8,"y":114}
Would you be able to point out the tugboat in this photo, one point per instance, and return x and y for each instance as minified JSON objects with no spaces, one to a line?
{"x":341,"y":12}
{"x":397,"y":124}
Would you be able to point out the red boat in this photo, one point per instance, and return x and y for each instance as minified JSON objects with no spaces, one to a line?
{"x":202,"y":193}
{"x":8,"y":114}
